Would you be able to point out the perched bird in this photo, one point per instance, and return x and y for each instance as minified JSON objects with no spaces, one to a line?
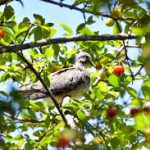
{"x":72,"y":82}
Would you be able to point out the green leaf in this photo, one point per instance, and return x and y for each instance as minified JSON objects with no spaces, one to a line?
{"x":117,"y":29}
{"x":23,"y":26}
{"x":4,"y":93}
{"x":71,"y":52}
{"x":138,"y":31}
{"x":142,"y":121}
{"x":90,"y":147}
{"x":81,"y":115}
{"x":113,"y":93}
{"x":90,"y":20}
{"x":46,"y":32}
{"x":5,"y":76}
{"x":46,"y":80}
{"x":49,"y":52}
{"x":115,"y":142}
{"x":77,"y":2}
{"x":36,"y":133}
{"x":56,"y":50}
{"x":103,"y":86}
{"x":46,"y":140}
{"x":8,"y":12}
{"x":146,"y":90}
{"x":86,"y":31}
{"x":39,"y":19}
{"x":66,"y":28}
{"x":135,"y":103}
{"x":53,"y":31}
{"x":132,"y":92}
{"x":114,"y":80}
{"x":47,"y":121}
{"x":38,"y":34}
{"x":80,"y":27}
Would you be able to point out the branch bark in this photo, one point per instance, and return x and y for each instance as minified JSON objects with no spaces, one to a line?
{"x":44,"y":42}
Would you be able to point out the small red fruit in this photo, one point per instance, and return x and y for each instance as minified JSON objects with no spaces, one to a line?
{"x":119,"y":69}
{"x":111,"y":112}
{"x":83,"y":139}
{"x":98,"y":67}
{"x":2,"y":33}
{"x":54,"y":69}
{"x":64,"y":141}
{"x":134,"y":111}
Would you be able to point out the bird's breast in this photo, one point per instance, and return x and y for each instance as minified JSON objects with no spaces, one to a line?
{"x":72,"y":82}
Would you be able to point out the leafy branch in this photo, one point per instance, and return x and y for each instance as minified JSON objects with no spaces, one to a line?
{"x":44,"y":42}
{"x":125,"y":50}
{"x":82,"y":10}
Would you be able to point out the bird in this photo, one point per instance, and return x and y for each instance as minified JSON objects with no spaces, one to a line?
{"x":68,"y":82}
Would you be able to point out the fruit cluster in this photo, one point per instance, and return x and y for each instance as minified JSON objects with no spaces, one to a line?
{"x":135,"y":111}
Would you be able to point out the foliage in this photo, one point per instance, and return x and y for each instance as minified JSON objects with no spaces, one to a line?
{"x":29,"y":124}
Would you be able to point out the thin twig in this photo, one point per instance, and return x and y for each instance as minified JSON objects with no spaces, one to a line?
{"x":74,"y":7}
{"x":125,"y":50}
{"x":84,"y":16}
{"x":127,"y":59}
{"x":31,"y":25}
{"x":119,"y":51}
{"x":132,"y":46}
{"x":30,"y":120}
{"x":139,"y":71}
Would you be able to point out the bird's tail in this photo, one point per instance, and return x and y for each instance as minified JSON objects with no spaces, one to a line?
{"x":33,"y":91}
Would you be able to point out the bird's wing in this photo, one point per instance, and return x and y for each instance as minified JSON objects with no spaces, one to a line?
{"x":67,"y":80}
{"x":33,"y":91}
{"x":62,"y":82}
{"x":61,"y":71}
{"x":36,"y":90}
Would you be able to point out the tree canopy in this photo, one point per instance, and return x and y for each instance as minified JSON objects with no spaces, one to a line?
{"x":114,"y":114}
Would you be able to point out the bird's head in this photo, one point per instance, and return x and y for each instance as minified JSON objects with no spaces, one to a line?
{"x":84,"y":59}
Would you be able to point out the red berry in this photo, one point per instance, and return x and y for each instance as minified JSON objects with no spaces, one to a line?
{"x":111,"y":112}
{"x":2,"y":33}
{"x":119,"y":69}
{"x":98,"y":67}
{"x":54,"y":69}
{"x":83,"y":139}
{"x":64,"y":141}
{"x":134,"y":111}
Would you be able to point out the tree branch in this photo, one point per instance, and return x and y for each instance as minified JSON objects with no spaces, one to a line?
{"x":45,"y":86}
{"x":29,"y":120}
{"x":74,"y":7}
{"x":44,"y":42}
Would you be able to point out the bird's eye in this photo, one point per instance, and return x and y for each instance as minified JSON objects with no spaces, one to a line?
{"x":86,"y":57}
